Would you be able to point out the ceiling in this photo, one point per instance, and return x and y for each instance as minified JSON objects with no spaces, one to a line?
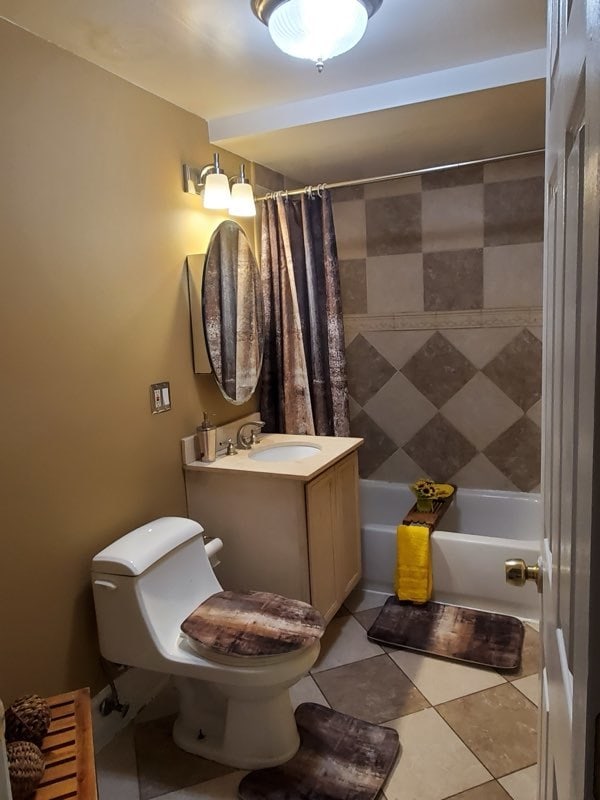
{"x":432,"y":80}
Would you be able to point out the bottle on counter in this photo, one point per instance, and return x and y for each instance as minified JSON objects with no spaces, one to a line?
{"x":206,"y":437}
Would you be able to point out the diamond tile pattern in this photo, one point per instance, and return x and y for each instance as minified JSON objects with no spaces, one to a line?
{"x":367,"y":369}
{"x":517,"y":370}
{"x":479,"y":437}
{"x":398,"y":393}
{"x":377,"y":447}
{"x":480,"y":473}
{"x":355,"y":689}
{"x":399,"y":346}
{"x":440,"y":449}
{"x":438,"y":370}
{"x":450,"y":766}
{"x":501,"y":752}
{"x":481,"y":411}
{"x":398,"y":468}
{"x":481,"y":345}
{"x":517,"y":453}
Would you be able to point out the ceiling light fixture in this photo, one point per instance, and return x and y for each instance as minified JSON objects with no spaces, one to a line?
{"x":214,"y":186}
{"x":315,"y":29}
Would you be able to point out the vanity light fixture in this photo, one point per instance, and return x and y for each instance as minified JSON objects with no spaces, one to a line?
{"x":242,"y":196}
{"x":214,"y":185}
{"x":316,"y":29}
{"x":209,"y":181}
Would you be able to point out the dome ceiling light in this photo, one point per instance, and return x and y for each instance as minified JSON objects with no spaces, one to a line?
{"x":315,"y":29}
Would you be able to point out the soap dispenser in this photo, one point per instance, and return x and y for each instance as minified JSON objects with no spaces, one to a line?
{"x":206,"y":436}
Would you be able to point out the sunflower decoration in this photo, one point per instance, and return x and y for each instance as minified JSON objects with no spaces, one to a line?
{"x":425,"y":490}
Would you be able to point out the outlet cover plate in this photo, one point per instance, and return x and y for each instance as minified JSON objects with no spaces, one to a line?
{"x":160,"y":397}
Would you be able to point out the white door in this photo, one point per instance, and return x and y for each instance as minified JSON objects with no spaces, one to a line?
{"x":571,"y":450}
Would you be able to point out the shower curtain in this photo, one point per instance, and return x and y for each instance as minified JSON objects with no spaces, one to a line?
{"x":304,"y":388}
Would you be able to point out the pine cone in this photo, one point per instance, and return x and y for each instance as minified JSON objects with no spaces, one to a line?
{"x":27,"y":719}
{"x":25,"y":768}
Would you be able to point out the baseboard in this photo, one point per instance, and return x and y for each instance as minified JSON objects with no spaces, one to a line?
{"x":136,"y":687}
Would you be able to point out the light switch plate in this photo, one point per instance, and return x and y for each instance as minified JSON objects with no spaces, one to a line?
{"x":160,"y":397}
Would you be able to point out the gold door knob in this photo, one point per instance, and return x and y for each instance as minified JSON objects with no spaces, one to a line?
{"x":518,"y":573}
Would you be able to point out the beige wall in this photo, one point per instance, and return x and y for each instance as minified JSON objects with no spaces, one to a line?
{"x":94,"y":230}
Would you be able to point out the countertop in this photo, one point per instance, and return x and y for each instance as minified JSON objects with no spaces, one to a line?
{"x":331,"y":449}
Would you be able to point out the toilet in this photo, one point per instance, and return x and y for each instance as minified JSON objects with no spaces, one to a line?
{"x":234,"y":703}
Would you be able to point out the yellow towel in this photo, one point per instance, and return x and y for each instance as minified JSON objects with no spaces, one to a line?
{"x":414,"y":580}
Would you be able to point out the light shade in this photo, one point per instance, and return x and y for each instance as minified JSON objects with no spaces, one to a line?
{"x":242,"y":201}
{"x":216,"y":191}
{"x":318,"y":29}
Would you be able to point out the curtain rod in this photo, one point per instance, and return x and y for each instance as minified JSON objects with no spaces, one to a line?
{"x":410,"y":173}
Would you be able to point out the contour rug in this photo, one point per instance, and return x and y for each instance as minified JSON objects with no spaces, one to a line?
{"x":461,"y":634}
{"x":340,"y":758}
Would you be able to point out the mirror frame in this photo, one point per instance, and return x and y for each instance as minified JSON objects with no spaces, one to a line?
{"x":197,"y":272}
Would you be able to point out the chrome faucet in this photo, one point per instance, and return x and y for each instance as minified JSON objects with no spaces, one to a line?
{"x":246,"y":442}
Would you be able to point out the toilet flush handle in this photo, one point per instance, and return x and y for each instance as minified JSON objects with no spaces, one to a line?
{"x":106,"y":585}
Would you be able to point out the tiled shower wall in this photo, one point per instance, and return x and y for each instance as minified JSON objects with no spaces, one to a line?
{"x":442,"y":292}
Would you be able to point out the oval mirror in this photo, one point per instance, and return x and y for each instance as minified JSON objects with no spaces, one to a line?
{"x":233,"y":312}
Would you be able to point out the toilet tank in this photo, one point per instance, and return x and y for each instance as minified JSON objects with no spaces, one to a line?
{"x":145,"y":584}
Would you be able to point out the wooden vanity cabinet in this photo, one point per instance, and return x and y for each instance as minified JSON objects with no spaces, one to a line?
{"x":284,"y":535}
{"x":333,"y":530}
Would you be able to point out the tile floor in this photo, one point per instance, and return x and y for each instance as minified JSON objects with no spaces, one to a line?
{"x":465,"y":733}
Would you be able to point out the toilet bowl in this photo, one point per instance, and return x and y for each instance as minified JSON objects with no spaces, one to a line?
{"x":234,"y":709}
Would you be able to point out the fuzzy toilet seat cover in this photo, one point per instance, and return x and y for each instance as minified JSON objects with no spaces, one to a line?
{"x":253,"y":624}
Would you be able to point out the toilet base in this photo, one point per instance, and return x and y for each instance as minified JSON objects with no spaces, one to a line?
{"x":241,"y":727}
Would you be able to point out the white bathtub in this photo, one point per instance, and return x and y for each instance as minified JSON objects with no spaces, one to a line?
{"x":480,"y":531}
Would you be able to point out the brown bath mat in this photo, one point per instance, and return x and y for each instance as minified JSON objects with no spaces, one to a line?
{"x":340,"y":758}
{"x":461,"y":634}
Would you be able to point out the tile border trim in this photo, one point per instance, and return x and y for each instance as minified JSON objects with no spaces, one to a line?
{"x":440,"y":320}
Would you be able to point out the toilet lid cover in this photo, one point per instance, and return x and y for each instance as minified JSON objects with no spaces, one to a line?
{"x":253,"y":624}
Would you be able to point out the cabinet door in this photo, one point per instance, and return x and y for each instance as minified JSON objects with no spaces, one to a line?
{"x":321,"y":514}
{"x":346,"y":531}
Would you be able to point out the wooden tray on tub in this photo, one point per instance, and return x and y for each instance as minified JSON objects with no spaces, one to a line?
{"x":431,"y":518}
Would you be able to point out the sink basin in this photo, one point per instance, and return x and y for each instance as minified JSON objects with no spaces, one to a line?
{"x":295,"y":451}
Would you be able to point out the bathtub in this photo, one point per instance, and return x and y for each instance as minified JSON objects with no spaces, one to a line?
{"x":478,"y":533}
